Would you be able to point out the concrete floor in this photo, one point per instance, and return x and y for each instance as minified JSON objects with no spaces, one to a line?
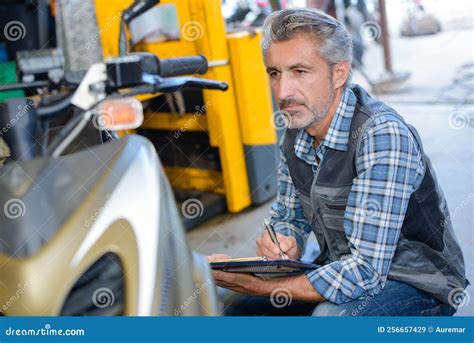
{"x":433,"y":62}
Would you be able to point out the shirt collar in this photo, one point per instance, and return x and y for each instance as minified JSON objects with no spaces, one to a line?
{"x":337,"y":136}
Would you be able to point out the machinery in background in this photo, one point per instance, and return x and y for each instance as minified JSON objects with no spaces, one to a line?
{"x":249,"y":13}
{"x":26,"y":25}
{"x":217,"y":148}
{"x":71,"y":241}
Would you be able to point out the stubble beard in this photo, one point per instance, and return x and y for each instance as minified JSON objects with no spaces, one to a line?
{"x":317,"y":116}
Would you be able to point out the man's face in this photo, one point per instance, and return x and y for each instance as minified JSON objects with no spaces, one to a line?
{"x":300,"y":79}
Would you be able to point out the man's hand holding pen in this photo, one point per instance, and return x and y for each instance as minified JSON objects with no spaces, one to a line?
{"x":277,"y":246}
{"x":273,"y":246}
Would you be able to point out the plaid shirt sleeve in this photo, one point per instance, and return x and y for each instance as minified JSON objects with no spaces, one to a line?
{"x":286,"y":212}
{"x":390,"y":168}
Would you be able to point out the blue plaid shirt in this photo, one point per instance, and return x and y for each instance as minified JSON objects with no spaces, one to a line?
{"x":389,"y":168}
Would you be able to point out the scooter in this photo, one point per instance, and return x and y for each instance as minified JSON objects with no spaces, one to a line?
{"x":89,"y":224}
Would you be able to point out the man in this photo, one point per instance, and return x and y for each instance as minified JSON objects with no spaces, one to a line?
{"x":354,"y":173}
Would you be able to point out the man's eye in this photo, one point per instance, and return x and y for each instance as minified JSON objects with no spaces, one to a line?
{"x":273,"y":74}
{"x":300,"y":71}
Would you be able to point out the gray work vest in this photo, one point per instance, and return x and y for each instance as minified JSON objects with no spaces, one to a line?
{"x":427,"y":256}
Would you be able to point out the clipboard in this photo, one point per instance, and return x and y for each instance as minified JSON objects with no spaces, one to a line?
{"x":260,"y":266}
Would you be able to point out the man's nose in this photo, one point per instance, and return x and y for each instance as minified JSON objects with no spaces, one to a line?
{"x":286,"y":88}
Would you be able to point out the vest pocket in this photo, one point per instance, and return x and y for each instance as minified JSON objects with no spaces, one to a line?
{"x":336,"y":207}
{"x":334,"y":233}
{"x":330,"y":209}
{"x":334,"y":220}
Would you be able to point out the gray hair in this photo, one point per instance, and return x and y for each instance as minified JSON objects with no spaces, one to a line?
{"x":333,"y":39}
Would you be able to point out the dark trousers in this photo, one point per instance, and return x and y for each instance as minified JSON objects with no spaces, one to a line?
{"x":395,"y":299}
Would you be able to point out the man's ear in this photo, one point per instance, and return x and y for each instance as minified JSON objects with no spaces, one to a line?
{"x":340,"y":73}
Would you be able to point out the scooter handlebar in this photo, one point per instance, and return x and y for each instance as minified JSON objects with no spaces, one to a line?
{"x":180,"y":66}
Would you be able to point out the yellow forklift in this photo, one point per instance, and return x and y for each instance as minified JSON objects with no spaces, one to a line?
{"x":218,"y":149}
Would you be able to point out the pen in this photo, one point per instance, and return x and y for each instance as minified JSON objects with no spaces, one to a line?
{"x":271,"y":232}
